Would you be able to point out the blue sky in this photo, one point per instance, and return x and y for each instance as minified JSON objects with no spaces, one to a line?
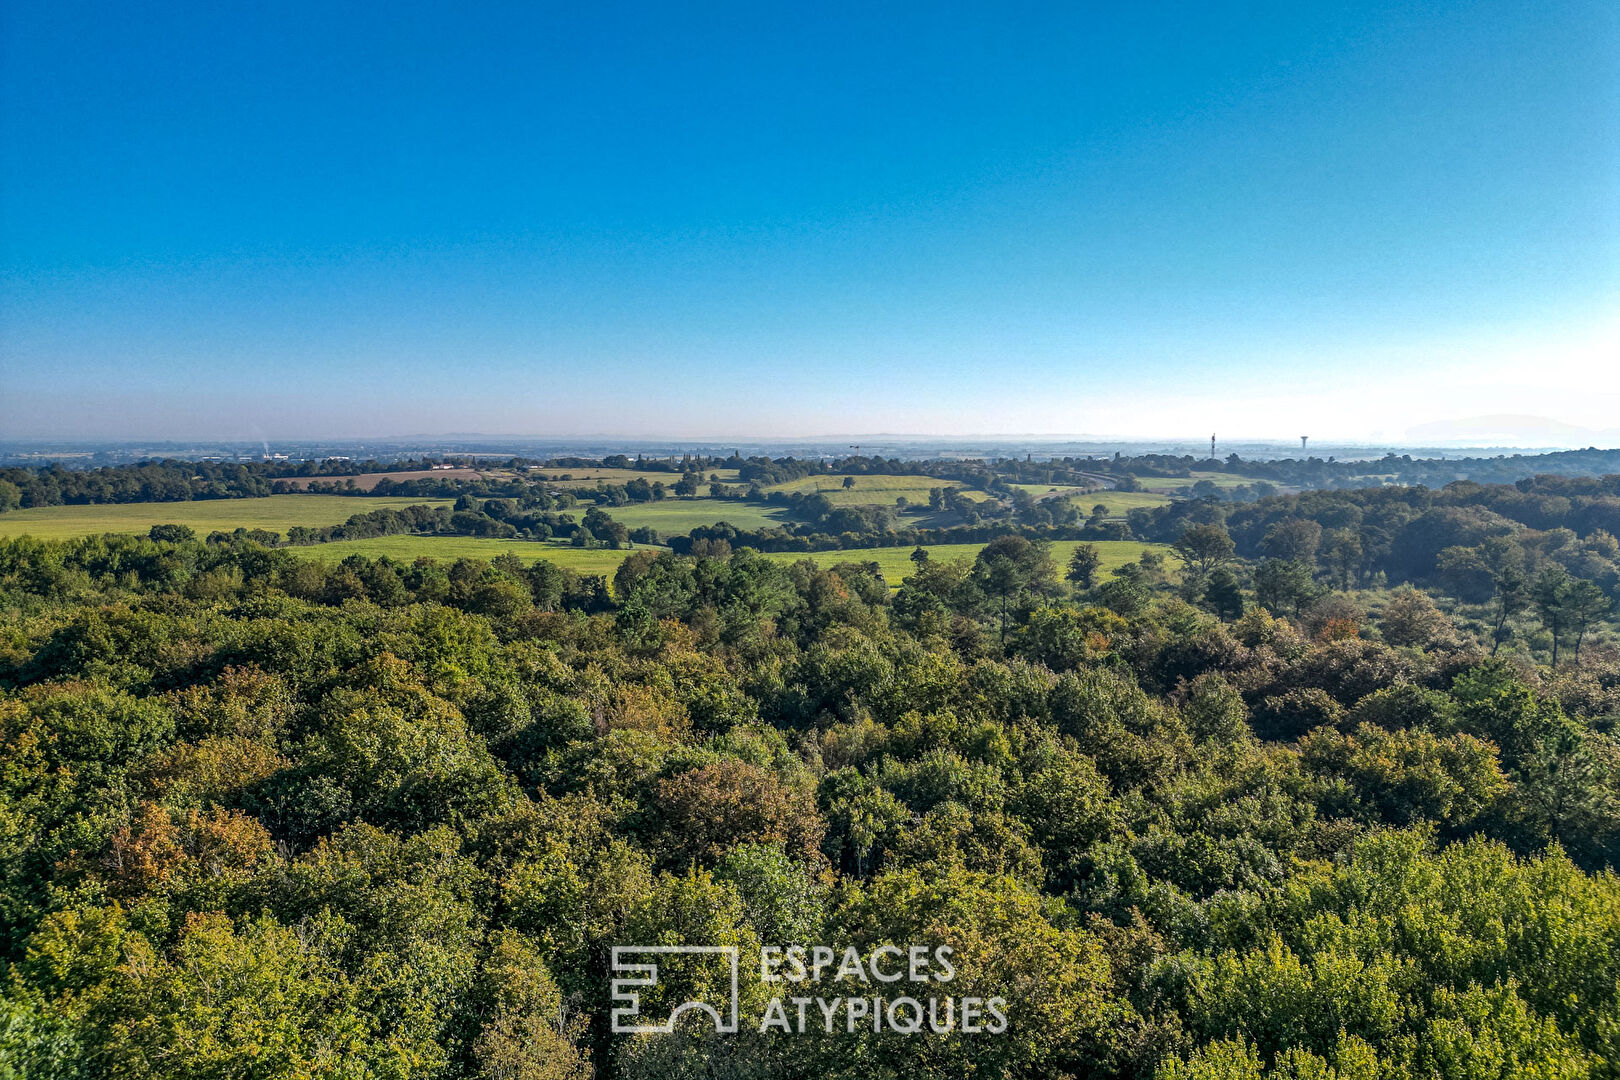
{"x":753,"y":219}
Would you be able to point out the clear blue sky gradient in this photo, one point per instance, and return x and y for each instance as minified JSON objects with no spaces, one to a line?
{"x":727,"y":219}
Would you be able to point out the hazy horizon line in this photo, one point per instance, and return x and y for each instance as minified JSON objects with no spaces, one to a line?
{"x":825,"y":438}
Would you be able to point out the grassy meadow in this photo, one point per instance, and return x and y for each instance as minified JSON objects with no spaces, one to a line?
{"x":1119,"y":503}
{"x":1176,"y":483}
{"x":895,"y":562}
{"x":276,"y":513}
{"x":868,"y":490}
{"x":676,"y":515}
{"x":410,"y":548}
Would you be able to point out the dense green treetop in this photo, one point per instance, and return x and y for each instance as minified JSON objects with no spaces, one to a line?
{"x":264,"y":817}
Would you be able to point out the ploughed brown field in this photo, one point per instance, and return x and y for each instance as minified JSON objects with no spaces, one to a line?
{"x":367,"y":481}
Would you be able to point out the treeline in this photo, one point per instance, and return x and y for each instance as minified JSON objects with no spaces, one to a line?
{"x":516,"y":484}
{"x":182,"y":481}
{"x":151,"y":481}
{"x":492,"y":518}
{"x":810,"y":537}
{"x":1445,"y":538}
{"x":261,"y":816}
{"x":171,"y":480}
{"x":1399,"y":469}
{"x":1309,"y":472}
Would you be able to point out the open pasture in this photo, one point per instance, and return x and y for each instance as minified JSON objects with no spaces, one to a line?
{"x":896,"y":565}
{"x":675,"y":515}
{"x":1176,"y":483}
{"x":869,"y":490}
{"x":1118,"y":503}
{"x":277,"y":513}
{"x":894,"y":562}
{"x":449,"y":548}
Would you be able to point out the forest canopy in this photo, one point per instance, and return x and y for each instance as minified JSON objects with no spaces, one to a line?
{"x":1250,"y":810}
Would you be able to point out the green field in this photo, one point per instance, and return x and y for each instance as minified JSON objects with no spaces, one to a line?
{"x":868,"y":490}
{"x":448,"y":548}
{"x":1175,"y":483}
{"x":276,"y":513}
{"x":895,"y":562}
{"x":1119,"y":503}
{"x":975,"y":495}
{"x":675,"y":515}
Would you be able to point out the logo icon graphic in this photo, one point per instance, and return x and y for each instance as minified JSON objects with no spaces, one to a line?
{"x":627,"y":1018}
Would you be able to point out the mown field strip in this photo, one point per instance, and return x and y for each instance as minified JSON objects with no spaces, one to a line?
{"x":894,"y":562}
{"x":277,"y":513}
